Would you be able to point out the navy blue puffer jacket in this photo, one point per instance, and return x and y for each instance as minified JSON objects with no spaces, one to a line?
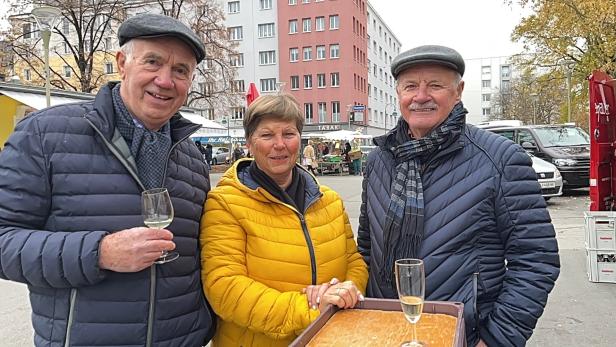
{"x":488,"y":238}
{"x":64,"y":184}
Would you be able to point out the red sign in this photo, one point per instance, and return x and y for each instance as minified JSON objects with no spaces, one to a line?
{"x":602,"y":141}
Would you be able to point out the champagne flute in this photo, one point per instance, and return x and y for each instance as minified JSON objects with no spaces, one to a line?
{"x":157,"y":212}
{"x":411,"y":284}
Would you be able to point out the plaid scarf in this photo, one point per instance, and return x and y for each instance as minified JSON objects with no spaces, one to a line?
{"x":404,"y":222}
{"x":149,"y":148}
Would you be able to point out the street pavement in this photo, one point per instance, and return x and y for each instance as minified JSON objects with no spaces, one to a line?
{"x":578,"y":313}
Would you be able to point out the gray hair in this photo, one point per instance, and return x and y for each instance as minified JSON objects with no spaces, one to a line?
{"x":457,"y":80}
{"x":127,"y":48}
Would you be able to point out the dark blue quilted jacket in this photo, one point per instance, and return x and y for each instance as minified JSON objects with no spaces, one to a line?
{"x":64,"y":184}
{"x":488,"y":239}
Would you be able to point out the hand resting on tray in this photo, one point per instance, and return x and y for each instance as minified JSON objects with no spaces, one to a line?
{"x":343,"y":295}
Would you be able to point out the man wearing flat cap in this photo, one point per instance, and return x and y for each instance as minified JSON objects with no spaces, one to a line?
{"x":462,"y":199}
{"x":71,"y":226}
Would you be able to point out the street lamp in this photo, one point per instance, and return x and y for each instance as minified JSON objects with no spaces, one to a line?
{"x":394,"y":114}
{"x":46,"y":17}
{"x":226,"y":121}
{"x":569,"y":67}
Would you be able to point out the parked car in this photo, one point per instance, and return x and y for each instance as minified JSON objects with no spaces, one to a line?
{"x":220,"y":155}
{"x":566,"y":146}
{"x":549,"y":178}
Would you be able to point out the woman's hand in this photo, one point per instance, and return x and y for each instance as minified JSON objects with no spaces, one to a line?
{"x":343,"y":295}
{"x":315,"y":293}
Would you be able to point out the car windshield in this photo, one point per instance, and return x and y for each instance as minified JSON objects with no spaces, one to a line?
{"x":562,"y":136}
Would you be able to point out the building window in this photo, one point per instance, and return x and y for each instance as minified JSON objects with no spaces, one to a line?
{"x":485,"y":111}
{"x":307,"y":81}
{"x":294,"y":82}
{"x":66,"y":47}
{"x":267,"y":57}
{"x":236,"y":33}
{"x":321,"y":80}
{"x":505,"y":72}
{"x":293,"y":26}
{"x":109,"y":68}
{"x":306,"y":25}
{"x":268,"y":85}
{"x":66,"y":71}
{"x":485,"y":97}
{"x":486,"y":69}
{"x":233,"y":7}
{"x":322,"y":110}
{"x":267,"y":30}
{"x":207,"y":63}
{"x":308,"y":112}
{"x":307,"y":53}
{"x":27,"y":75}
{"x":335,"y":111}
{"x":334,"y":22}
{"x":237,"y":112}
{"x":265,"y":4}
{"x":305,"y":1}
{"x":292,"y":2}
{"x":238,"y":86}
{"x":237,"y":60}
{"x":335,"y":79}
{"x":485,"y":83}
{"x":108,"y":43}
{"x":293,"y":54}
{"x":320,"y":52}
{"x":319,"y":23}
{"x":66,"y":26}
{"x":334,"y":51}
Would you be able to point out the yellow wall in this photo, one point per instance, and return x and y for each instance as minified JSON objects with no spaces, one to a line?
{"x":8,"y":107}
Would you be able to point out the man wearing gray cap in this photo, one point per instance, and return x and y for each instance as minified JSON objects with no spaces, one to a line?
{"x":464,"y":200}
{"x":71,"y":226}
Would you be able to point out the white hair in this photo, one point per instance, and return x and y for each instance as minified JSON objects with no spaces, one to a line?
{"x":127,"y":48}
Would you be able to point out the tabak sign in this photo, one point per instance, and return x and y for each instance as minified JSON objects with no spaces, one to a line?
{"x":602,"y":94}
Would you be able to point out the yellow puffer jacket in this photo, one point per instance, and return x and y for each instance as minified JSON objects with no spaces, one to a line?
{"x":256,"y":259}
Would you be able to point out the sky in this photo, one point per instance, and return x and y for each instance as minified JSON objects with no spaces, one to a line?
{"x":475,"y":28}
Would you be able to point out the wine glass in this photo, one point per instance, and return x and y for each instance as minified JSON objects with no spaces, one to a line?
{"x":411,"y":284}
{"x":157,"y":212}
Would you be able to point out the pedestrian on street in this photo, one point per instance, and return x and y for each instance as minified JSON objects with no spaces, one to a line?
{"x":464,"y":200}
{"x":71,"y":226}
{"x":310,"y":159}
{"x":277,"y":247}
{"x":237,"y":152}
{"x":208,"y":155}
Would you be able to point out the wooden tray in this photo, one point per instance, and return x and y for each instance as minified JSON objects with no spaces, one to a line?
{"x":453,"y":309}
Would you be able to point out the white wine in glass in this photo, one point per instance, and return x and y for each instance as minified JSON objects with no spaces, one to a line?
{"x":157,"y":212}
{"x":411,"y":284}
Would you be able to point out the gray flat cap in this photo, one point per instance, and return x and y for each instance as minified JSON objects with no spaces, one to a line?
{"x":158,"y":25}
{"x":429,"y":54}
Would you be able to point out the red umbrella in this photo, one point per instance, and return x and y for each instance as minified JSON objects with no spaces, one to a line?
{"x":252,"y":93}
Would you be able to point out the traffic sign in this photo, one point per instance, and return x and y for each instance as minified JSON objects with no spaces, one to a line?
{"x":359,"y":107}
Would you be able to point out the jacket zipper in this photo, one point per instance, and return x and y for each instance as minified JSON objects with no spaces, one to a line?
{"x":313,"y":261}
{"x":71,"y":315}
{"x":148,"y":341}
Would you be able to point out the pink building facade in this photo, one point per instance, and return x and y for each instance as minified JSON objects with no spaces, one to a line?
{"x":323,"y":62}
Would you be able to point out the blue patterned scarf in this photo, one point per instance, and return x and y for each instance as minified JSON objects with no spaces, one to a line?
{"x":404,"y":223}
{"x":149,"y":148}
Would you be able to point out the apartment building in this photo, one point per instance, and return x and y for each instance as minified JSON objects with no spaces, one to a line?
{"x":484,"y":78}
{"x":320,"y":52}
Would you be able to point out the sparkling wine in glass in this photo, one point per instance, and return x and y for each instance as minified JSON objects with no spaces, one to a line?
{"x":411,"y":284}
{"x":157,"y":212}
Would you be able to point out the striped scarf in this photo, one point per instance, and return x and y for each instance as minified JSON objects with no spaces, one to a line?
{"x":404,"y":222}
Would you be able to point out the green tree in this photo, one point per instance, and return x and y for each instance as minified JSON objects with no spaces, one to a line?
{"x":569,"y":37}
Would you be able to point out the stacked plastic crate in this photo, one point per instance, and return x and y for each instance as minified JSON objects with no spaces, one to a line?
{"x":600,"y":246}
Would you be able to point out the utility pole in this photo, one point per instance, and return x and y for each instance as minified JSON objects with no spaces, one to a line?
{"x":568,"y":66}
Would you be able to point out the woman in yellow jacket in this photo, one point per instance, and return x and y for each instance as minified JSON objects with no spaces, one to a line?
{"x":276,"y":246}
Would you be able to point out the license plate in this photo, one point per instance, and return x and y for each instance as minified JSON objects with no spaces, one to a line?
{"x":547,"y":185}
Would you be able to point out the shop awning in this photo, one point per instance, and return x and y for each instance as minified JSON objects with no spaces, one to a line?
{"x":38,"y":101}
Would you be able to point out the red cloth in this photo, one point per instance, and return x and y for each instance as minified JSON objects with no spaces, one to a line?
{"x":252,"y":94}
